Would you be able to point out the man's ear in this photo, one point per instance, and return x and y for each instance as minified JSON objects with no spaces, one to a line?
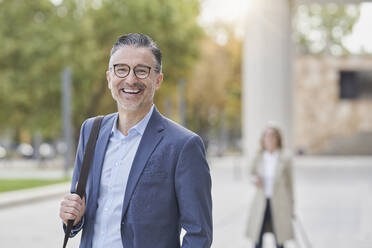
{"x":108,"y":77}
{"x":159,"y":80}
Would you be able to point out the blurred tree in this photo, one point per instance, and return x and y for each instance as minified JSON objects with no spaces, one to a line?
{"x":29,"y":66}
{"x":320,"y":29}
{"x":214,"y":90}
{"x":39,"y":39}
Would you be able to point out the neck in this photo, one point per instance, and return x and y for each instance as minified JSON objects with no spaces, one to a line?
{"x":128,"y":119}
{"x":271,"y":150}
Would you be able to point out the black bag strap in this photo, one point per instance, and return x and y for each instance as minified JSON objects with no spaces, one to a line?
{"x":84,"y":170}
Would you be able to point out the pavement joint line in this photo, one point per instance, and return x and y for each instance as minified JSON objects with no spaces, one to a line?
{"x":26,"y":196}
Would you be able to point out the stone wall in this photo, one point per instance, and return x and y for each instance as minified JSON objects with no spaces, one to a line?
{"x":320,"y":116}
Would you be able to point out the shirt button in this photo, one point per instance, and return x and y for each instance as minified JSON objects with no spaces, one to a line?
{"x":102,"y":233}
{"x":106,"y":209}
{"x":116,"y":163}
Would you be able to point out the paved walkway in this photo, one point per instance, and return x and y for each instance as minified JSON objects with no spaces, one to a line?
{"x":26,"y":168}
{"x":333,"y":201}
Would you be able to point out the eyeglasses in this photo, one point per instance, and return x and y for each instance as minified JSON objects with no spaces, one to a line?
{"x":140,"y":71}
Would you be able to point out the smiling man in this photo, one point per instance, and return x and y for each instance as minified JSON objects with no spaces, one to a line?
{"x":149,"y":177}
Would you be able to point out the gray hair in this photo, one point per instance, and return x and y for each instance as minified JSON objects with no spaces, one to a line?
{"x":139,"y":40}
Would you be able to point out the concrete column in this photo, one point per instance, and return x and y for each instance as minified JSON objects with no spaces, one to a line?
{"x":66,"y":119}
{"x":267,"y":86}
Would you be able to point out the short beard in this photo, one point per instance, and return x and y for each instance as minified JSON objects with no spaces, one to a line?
{"x":131,"y":108}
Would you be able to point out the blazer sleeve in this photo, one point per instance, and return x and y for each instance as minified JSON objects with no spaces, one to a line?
{"x":252,"y":170}
{"x":75,"y":176}
{"x":288,"y":173}
{"x":193,"y":189}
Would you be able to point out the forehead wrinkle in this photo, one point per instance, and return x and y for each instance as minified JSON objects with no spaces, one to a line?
{"x":133,"y":56}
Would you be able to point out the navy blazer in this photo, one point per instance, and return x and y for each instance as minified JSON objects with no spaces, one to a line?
{"x":169,"y":187}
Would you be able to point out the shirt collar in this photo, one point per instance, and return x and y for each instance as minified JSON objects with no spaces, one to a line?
{"x":139,"y":127}
{"x":273,"y":154}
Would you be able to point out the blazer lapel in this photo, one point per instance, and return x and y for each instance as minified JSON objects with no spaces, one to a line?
{"x":279,"y":168}
{"x":100,"y":152}
{"x":150,"y":139}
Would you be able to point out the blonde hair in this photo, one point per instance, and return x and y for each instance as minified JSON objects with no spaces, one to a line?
{"x":277,"y":134}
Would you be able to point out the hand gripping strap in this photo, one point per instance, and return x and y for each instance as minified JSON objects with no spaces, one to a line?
{"x":84,"y":170}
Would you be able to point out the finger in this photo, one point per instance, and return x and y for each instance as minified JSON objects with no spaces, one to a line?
{"x":73,"y":197}
{"x":70,"y":210}
{"x":68,"y":213}
{"x":73,"y":205}
{"x":66,"y":217}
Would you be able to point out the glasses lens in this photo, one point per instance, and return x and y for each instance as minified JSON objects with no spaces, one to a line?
{"x":141,"y":71}
{"x":121,"y":70}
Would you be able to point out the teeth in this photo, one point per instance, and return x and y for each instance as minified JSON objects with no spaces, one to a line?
{"x":131,"y":91}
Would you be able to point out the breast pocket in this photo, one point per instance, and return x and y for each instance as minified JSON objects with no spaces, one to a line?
{"x":150,"y":193}
{"x":149,"y":176}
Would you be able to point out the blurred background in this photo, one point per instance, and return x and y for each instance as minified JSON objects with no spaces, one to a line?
{"x":230,"y":68}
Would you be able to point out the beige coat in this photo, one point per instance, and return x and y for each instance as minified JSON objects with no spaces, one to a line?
{"x":281,"y":202}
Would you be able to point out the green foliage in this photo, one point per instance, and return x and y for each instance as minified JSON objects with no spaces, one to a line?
{"x":17,"y":184}
{"x":320,"y":29}
{"x":28,"y":69}
{"x":214,"y":90}
{"x":39,"y":39}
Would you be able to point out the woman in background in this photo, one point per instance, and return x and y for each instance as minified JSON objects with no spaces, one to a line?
{"x":272,"y":208}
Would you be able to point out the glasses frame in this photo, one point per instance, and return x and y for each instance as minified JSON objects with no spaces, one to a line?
{"x":134,"y":70}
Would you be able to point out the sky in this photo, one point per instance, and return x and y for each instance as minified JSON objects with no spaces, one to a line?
{"x":233,"y":11}
{"x":362,"y":35}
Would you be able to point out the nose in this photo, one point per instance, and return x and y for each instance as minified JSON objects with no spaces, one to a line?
{"x":131,"y":78}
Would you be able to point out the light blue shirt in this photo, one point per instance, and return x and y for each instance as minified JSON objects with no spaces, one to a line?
{"x":115,"y":171}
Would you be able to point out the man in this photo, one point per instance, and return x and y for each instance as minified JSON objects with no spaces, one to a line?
{"x":149,"y":177}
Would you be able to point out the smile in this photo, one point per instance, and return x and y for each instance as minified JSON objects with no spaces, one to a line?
{"x":128,"y":91}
